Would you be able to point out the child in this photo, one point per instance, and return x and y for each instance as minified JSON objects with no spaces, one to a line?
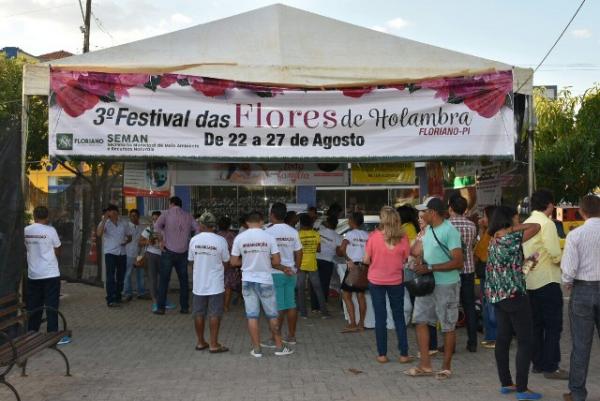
{"x":311,"y":244}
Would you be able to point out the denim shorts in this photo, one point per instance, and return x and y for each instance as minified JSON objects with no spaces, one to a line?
{"x":285,"y":291}
{"x":439,"y":306}
{"x":256,"y":294}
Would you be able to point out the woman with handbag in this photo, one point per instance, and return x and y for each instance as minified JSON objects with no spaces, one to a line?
{"x":354,"y":281}
{"x":505,"y":288}
{"x":386,"y":252}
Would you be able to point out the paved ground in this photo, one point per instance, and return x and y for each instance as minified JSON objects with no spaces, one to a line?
{"x":128,"y":354}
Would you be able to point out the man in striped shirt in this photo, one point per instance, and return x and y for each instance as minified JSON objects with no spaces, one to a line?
{"x":581,"y":274}
{"x":468,"y":234}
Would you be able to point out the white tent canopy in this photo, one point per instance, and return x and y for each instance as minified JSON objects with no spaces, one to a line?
{"x":281,"y":45}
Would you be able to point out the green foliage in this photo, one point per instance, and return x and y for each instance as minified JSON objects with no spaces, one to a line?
{"x":11,"y":77}
{"x":567,"y":146}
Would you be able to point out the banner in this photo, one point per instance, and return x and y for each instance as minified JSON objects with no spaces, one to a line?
{"x":180,"y":116}
{"x":383,"y":173}
{"x":224,"y":174}
{"x":147,"y":179}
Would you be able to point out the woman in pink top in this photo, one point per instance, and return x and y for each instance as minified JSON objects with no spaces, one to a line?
{"x":386,"y":252}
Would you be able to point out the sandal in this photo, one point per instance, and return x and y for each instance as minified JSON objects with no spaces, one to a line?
{"x":406,"y":359}
{"x":382,"y":359}
{"x":201,"y":347}
{"x":349,"y":329}
{"x":417,"y":372}
{"x":219,"y":350}
{"x":443,"y":374}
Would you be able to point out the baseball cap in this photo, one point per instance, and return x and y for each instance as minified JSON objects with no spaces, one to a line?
{"x":432,"y":203}
{"x":207,"y":219}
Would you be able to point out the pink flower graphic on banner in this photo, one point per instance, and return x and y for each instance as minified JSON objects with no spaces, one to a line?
{"x":441,"y":87}
{"x":210,"y":87}
{"x":487,"y":94}
{"x":73,"y":100}
{"x":357,"y":92}
{"x":131,"y":80}
{"x":167,"y":80}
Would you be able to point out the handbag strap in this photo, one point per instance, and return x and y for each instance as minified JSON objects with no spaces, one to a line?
{"x":444,"y":247}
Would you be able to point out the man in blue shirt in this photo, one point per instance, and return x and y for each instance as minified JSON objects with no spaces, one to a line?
{"x":442,"y":255}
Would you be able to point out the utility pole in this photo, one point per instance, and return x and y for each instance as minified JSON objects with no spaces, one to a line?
{"x":86,"y":27}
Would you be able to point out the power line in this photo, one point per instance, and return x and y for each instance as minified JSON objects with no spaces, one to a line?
{"x":101,"y":26}
{"x":553,"y":46}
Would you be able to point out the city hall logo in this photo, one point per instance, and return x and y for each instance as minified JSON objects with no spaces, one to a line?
{"x":64,"y":141}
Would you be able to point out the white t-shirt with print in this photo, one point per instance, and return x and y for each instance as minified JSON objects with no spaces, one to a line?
{"x":357,"y":240}
{"x":330,"y":240}
{"x":288,"y":241}
{"x":208,"y":251}
{"x":40,"y":241}
{"x":255,"y":247}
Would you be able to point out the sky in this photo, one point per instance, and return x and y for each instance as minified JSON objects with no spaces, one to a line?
{"x":515,"y":32}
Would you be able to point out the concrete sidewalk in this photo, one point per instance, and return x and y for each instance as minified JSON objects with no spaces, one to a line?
{"x":129,"y":354}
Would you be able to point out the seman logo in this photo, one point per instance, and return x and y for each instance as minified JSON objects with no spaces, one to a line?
{"x":64,"y":141}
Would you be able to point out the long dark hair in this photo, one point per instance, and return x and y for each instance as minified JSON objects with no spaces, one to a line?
{"x":409,"y":214}
{"x":501,"y":218}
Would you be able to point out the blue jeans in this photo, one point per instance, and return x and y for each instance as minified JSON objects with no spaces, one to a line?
{"x":584,"y":313}
{"x":395,"y":294}
{"x":489,"y":315}
{"x":44,"y":292}
{"x":115,"y":274}
{"x":139,"y":278}
{"x":168,"y":260}
{"x":547,"y":314}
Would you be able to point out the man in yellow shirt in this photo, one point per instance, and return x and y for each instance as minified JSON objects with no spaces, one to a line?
{"x":311,"y":244}
{"x":543,"y":287}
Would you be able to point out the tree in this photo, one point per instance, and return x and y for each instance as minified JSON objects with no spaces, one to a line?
{"x":567,"y":147}
{"x":95,"y":181}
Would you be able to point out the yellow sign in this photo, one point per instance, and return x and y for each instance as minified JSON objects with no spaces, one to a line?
{"x":383,"y":173}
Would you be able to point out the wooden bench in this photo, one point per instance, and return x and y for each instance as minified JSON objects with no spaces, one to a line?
{"x":17,"y":344}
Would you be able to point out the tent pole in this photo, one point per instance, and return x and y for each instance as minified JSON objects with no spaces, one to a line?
{"x":24,"y":131}
{"x":530,"y":150}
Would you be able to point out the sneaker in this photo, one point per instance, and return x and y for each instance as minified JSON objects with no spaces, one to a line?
{"x":528,"y":395}
{"x":113,"y":304}
{"x":284,"y":351}
{"x":472,"y":347}
{"x":170,"y":305}
{"x":159,"y":312}
{"x":507,"y":389}
{"x":128,"y":298}
{"x":488,"y":344}
{"x":185,"y":311}
{"x":268,"y":344}
{"x":536,"y":370}
{"x":256,"y":353}
{"x":559,"y":374}
{"x":144,"y":296}
{"x":154,"y":308}
{"x":64,"y":340}
{"x":289,"y":341}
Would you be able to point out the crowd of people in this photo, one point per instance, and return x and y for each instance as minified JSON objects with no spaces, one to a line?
{"x":277,"y":266}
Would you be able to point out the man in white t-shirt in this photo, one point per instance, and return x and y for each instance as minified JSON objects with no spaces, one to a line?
{"x":257,"y":253}
{"x":209,"y":253}
{"x":133,"y":251}
{"x":290,"y":252}
{"x":43,"y":284}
